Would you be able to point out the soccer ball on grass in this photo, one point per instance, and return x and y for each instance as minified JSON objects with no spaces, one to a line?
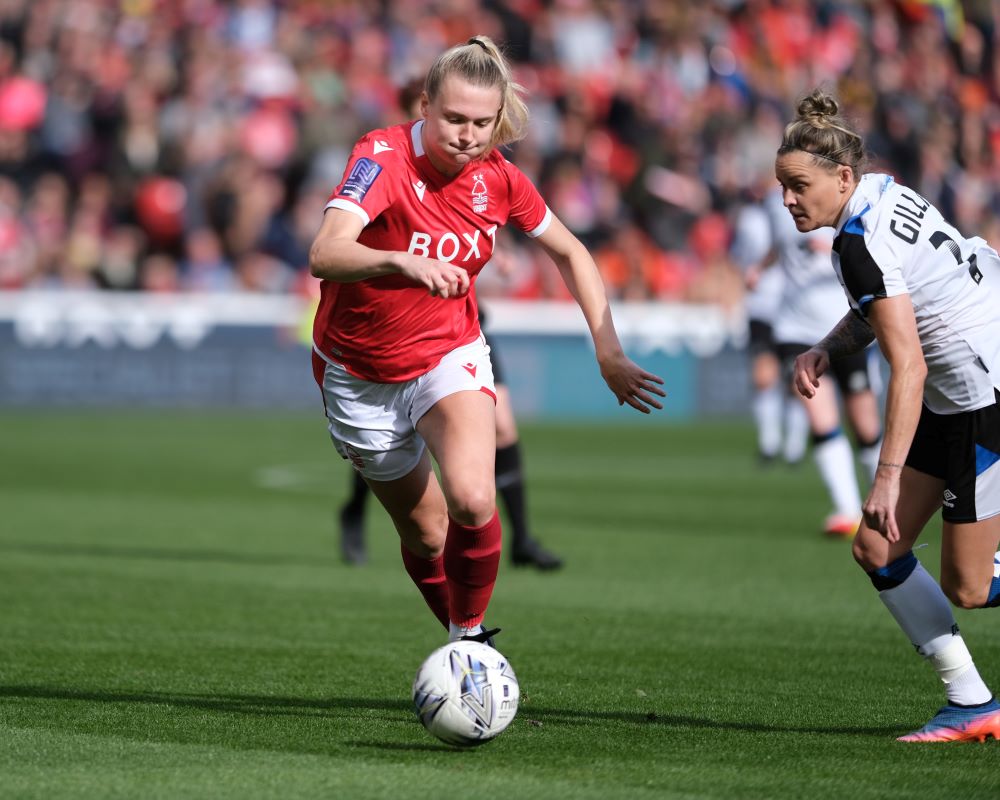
{"x":465,"y":693}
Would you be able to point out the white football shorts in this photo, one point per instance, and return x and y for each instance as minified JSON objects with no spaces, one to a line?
{"x":374,"y":425}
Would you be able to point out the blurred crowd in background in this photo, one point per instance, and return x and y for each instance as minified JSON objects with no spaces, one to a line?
{"x":190,"y":145}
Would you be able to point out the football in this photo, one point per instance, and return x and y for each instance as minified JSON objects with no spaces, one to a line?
{"x":465,"y":693}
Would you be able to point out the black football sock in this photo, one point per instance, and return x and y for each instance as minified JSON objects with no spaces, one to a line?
{"x":510,"y":485}
{"x":355,"y":504}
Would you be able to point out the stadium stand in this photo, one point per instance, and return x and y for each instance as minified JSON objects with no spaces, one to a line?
{"x":190,"y":146}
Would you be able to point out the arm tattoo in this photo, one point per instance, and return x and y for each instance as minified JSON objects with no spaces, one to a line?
{"x":851,"y":335}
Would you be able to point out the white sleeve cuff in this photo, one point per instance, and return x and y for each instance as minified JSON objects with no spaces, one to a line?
{"x":347,"y":205}
{"x":542,"y":226}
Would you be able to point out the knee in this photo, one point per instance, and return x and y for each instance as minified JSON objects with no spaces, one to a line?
{"x":867,"y":434}
{"x":423,"y":549}
{"x":865,"y":556}
{"x":423,"y":534}
{"x":473,"y":505}
{"x":963,"y":595}
{"x":872,"y":553}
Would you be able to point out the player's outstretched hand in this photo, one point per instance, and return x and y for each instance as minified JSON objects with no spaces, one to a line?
{"x":632,"y":384}
{"x":809,"y":367}
{"x":441,"y":278}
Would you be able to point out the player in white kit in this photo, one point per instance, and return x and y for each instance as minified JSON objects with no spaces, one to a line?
{"x":397,"y":350}
{"x":811,"y":303}
{"x":781,"y":423}
{"x":931,"y":297}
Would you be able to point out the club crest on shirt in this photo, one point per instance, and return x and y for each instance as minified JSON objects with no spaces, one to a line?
{"x":362,"y":176}
{"x":479,"y":195}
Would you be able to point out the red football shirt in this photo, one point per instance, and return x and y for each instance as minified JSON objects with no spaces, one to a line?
{"x":390,"y":329}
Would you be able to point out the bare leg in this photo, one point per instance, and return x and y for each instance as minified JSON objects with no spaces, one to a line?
{"x":417,"y":508}
{"x":863,"y":414}
{"x":861,"y":409}
{"x":834,"y":459}
{"x":967,"y":551}
{"x":919,"y":500}
{"x":460,"y":431}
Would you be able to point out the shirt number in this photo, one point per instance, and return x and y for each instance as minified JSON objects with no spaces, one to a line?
{"x":940,"y":238}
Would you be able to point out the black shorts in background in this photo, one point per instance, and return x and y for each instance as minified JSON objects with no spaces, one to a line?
{"x":850,"y":372}
{"x":761,"y":337}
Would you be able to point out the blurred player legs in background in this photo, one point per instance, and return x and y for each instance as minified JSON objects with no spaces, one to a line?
{"x":855,"y":378}
{"x":781,"y":422}
{"x":804,"y":303}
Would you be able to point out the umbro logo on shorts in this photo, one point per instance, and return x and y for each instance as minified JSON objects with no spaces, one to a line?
{"x":949,"y":498}
{"x":470,"y":368}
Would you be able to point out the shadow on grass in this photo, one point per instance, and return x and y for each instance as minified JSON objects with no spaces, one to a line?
{"x":263,"y":705}
{"x":562,"y":716}
{"x":410,"y":748}
{"x":338,"y":707}
{"x":355,"y":709}
{"x":167,"y":554}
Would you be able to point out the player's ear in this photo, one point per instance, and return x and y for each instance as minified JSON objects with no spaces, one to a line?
{"x":846,"y":177}
{"x":425,"y":102}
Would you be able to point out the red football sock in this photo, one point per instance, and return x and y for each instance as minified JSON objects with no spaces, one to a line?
{"x":428,"y":575}
{"x":471,"y":562}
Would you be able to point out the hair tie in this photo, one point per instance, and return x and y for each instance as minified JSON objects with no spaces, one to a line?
{"x":474,"y":40}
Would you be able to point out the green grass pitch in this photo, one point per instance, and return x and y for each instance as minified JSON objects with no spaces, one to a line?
{"x":175,"y":622}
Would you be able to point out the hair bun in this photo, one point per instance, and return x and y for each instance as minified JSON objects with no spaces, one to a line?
{"x":817,"y":106}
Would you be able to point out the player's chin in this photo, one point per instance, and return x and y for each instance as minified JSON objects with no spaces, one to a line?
{"x":465,"y":156}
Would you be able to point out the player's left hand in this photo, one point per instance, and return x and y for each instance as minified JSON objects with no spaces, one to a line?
{"x":880,"y":506}
{"x":631,"y":383}
{"x":809,"y":368}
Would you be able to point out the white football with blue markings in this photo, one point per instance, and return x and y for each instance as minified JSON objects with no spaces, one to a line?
{"x":466,"y":693}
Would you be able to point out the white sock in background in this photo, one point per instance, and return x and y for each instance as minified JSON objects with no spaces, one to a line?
{"x":868,"y":456}
{"x":767,"y":416}
{"x":836,"y":466}
{"x":796,"y":430}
